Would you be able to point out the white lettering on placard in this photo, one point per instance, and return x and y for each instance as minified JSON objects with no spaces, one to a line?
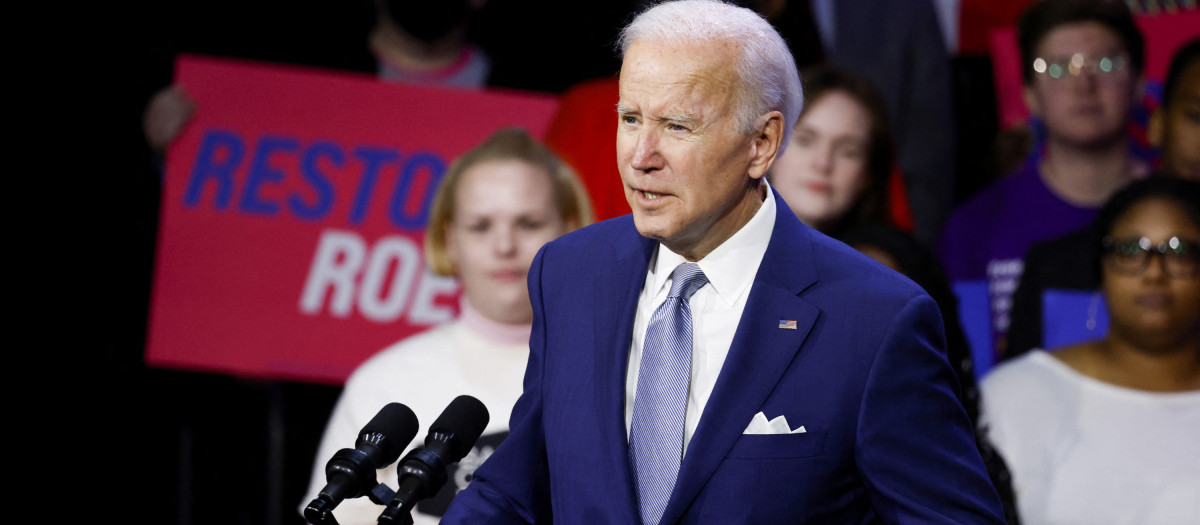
{"x":376,"y":300}
{"x":1003,"y":277}
{"x":425,"y":309}
{"x":339,"y":257}
{"x":379,"y":280}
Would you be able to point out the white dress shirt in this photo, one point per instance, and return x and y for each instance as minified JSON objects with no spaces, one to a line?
{"x":716,"y":308}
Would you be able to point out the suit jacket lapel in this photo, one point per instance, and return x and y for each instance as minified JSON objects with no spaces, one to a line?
{"x":615,"y":308}
{"x":760,"y":353}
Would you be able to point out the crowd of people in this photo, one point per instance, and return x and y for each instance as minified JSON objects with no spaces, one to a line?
{"x":1097,"y":431}
{"x":1089,"y":255}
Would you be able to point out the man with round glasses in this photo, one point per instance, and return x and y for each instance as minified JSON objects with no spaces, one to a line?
{"x":1080,"y":64}
{"x":1082,"y":70}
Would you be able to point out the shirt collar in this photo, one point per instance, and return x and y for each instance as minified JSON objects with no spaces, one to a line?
{"x":730,"y":267}
{"x":495,"y":331}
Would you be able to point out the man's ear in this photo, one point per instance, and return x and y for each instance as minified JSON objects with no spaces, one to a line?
{"x":765,"y":144}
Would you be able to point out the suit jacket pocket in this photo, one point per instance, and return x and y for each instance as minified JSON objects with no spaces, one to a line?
{"x":752,"y":446}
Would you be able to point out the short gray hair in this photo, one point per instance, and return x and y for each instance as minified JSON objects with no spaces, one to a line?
{"x":765,"y":67}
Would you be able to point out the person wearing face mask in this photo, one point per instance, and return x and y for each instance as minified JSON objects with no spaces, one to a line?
{"x":414,"y":42}
{"x":425,"y":43}
{"x":833,"y":175}
{"x":495,"y":207}
{"x":1105,"y":431}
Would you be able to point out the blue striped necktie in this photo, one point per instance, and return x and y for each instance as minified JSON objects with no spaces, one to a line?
{"x":660,"y":404}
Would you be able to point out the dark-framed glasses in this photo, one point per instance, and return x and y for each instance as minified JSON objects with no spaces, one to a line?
{"x":1079,"y":64}
{"x":1181,"y":257}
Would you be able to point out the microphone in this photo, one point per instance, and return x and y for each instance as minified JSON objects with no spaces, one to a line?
{"x":351,"y":472}
{"x":423,"y":471}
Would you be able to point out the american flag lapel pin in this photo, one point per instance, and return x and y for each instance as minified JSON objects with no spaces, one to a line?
{"x":787,"y":324}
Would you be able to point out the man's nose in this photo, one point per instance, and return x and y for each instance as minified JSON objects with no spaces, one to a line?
{"x":1085,"y":81}
{"x":646,"y":155}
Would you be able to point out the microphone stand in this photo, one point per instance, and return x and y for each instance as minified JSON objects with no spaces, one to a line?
{"x":318,"y":513}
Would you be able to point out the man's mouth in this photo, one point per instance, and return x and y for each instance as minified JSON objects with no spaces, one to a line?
{"x":651,"y":196}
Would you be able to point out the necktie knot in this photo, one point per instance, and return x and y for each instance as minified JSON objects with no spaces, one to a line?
{"x":687,"y":279}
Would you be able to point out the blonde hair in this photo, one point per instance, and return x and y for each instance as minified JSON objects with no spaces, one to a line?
{"x":570,"y":197}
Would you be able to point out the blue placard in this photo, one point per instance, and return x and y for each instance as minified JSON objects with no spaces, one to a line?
{"x":975,"y":317}
{"x":1072,"y":316}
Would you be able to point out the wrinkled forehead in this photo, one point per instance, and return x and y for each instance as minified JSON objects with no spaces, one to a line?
{"x":704,"y":67}
{"x":712,"y":56}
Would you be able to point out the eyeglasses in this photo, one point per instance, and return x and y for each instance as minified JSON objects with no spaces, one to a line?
{"x":1079,"y":64}
{"x":1132,"y":256}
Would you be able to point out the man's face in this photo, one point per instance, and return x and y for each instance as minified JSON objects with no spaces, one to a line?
{"x":687,"y":168}
{"x":1089,"y":109}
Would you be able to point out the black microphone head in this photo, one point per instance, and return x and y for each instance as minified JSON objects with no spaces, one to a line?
{"x":390,"y":431}
{"x":463,"y":420}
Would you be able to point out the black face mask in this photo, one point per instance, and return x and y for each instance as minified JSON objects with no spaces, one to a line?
{"x":427,"y":20}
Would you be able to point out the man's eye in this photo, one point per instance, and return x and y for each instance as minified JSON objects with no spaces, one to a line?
{"x":676,"y":127}
{"x":629,"y":119}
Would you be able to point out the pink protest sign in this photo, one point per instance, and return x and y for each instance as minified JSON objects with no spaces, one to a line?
{"x":293,"y":213}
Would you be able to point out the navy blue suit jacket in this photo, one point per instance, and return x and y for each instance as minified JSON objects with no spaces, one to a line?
{"x":863,"y":371}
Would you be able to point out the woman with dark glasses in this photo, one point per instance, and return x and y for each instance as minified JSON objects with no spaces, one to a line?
{"x":1106,"y":431}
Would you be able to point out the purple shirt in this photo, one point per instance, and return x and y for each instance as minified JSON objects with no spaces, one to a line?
{"x":985,"y":240}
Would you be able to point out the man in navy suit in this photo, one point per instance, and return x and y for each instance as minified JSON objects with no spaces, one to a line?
{"x":710,"y":359}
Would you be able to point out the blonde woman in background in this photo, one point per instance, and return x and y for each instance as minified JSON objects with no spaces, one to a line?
{"x":495,"y":207}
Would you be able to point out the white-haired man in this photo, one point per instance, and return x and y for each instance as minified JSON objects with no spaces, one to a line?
{"x":710,"y":359}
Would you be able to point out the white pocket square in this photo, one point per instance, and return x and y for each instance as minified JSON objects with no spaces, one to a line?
{"x":779,"y":425}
